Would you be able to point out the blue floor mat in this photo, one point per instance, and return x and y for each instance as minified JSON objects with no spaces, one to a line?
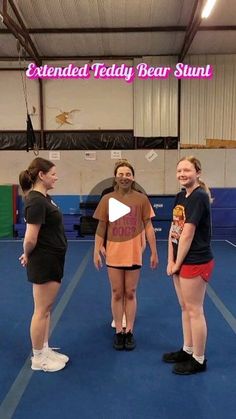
{"x":100,"y":382}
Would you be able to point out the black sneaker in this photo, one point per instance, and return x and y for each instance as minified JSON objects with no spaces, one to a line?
{"x":189,"y":367}
{"x":119,"y":341}
{"x":174,"y":357}
{"x":130,"y":343}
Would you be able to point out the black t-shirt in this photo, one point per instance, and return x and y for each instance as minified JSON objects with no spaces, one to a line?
{"x":194,"y":209}
{"x":107,"y":190}
{"x":40,"y":209}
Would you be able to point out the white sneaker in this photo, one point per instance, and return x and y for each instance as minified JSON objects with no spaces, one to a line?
{"x":54,"y":355}
{"x":46,"y":364}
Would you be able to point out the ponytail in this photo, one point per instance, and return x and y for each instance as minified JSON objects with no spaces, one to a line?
{"x":25,"y":181}
{"x":206,"y":189}
{"x":28,"y":177}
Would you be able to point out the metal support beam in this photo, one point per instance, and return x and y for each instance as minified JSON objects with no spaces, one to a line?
{"x":22,"y":35}
{"x":48,"y":31}
{"x":18,"y":32}
{"x":26,"y":34}
{"x":192,"y":28}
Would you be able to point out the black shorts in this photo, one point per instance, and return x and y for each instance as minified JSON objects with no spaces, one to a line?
{"x":126,"y":268}
{"x":44,"y":267}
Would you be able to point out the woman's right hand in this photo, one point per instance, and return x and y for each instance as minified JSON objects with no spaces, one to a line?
{"x":23,"y":260}
{"x":97,"y":260}
{"x":103,"y":251}
{"x":169,"y":268}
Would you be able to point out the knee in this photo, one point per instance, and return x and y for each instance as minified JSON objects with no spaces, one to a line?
{"x":43,"y":312}
{"x":130,"y":294}
{"x":117,"y":295}
{"x":183,"y":307}
{"x":194,"y":311}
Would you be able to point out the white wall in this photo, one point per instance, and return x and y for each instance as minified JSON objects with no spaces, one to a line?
{"x":79,"y":176}
{"x":156,"y":101}
{"x":12,"y":101}
{"x":102,"y":104}
{"x":208,"y":107}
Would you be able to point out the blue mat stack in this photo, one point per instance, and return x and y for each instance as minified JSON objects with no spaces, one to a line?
{"x":78,"y":210}
{"x":224,"y":213}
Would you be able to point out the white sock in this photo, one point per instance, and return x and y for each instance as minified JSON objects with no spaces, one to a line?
{"x":45,"y":347}
{"x":199,"y":359}
{"x":37,"y":352}
{"x":188,"y":349}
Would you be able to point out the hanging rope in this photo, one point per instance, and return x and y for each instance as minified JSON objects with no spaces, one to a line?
{"x":31,"y":142}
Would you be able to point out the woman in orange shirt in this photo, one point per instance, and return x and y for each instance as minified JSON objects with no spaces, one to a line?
{"x":124,"y":249}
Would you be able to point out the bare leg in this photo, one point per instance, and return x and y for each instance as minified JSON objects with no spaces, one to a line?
{"x":117,"y":277}
{"x":193,"y":292}
{"x":44,"y":297}
{"x":47,"y":330}
{"x":186,"y":325}
{"x":123,"y":321}
{"x":131,"y":282}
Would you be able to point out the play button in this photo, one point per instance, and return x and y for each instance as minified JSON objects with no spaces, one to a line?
{"x":116,"y":209}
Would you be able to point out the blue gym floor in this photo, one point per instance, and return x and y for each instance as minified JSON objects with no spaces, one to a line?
{"x":99,"y":382}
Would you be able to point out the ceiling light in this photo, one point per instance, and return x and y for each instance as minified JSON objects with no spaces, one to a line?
{"x":208,"y":8}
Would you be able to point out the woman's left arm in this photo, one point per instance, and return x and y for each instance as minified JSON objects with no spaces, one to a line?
{"x":185,"y":241}
{"x":30,"y":240}
{"x":151,"y":238}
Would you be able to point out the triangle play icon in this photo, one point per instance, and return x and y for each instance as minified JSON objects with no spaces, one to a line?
{"x":116,"y":209}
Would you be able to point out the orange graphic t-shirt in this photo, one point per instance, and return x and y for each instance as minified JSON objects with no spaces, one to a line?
{"x":124,"y":236}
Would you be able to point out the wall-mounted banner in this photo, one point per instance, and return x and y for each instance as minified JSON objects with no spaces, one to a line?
{"x":127,"y":73}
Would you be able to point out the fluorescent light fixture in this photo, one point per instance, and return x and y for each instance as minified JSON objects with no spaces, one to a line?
{"x":208,"y":8}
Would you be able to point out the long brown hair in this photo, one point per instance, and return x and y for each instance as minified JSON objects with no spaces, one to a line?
{"x":198,"y":167}
{"x":28,"y":177}
{"x":124,"y":163}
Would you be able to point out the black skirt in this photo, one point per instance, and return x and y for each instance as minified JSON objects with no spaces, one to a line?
{"x":44,"y":267}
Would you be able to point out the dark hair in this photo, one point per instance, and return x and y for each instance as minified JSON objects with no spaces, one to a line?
{"x":198,"y":167}
{"x":124,"y":163}
{"x":28,"y":177}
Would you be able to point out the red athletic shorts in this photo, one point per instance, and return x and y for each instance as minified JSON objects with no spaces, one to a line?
{"x":191,"y":271}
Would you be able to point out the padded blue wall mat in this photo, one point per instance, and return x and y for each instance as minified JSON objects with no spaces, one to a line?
{"x":224,"y":197}
{"x":99,"y":382}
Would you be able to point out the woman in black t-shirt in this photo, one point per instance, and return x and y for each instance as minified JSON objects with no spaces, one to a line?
{"x":190,"y":261}
{"x":44,"y":249}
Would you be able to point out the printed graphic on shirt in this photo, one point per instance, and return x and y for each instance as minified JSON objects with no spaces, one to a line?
{"x":53,"y":203}
{"x":124,"y":238}
{"x":129,"y":225}
{"x":177,"y":223}
{"x":89,"y":203}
